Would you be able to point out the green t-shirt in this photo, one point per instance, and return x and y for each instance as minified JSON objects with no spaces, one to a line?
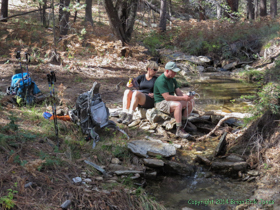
{"x":164,"y":85}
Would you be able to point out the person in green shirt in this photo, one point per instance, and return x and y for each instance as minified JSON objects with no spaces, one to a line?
{"x":166,"y":101}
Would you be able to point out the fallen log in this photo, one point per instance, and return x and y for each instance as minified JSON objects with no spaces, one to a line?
{"x":227,"y":116}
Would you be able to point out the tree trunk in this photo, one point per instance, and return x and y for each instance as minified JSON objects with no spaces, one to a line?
{"x":202,"y":15}
{"x":61,"y":5}
{"x":263,"y":11}
{"x":256,"y":8}
{"x":250,"y":10}
{"x":131,"y":18}
{"x":154,"y":8}
{"x":233,"y":4}
{"x":219,"y":10}
{"x":122,"y":18}
{"x":88,"y":16}
{"x":162,"y":22}
{"x":186,"y":4}
{"x":64,"y":21}
{"x":170,"y":8}
{"x":4,"y":9}
{"x":76,"y":12}
{"x":44,"y":14}
{"x":273,"y":8}
{"x":53,"y":19}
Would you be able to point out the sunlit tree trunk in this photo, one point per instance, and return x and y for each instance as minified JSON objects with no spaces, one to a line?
{"x":219,"y":10}
{"x":4,"y":10}
{"x":88,"y":16}
{"x":64,"y":21}
{"x":263,"y":11}
{"x":162,"y":14}
{"x":273,"y":8}
{"x":250,"y":10}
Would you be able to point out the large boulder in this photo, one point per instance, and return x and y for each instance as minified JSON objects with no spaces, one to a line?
{"x":144,"y":148}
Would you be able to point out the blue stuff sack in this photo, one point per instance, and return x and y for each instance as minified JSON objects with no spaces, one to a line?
{"x":47,"y":115}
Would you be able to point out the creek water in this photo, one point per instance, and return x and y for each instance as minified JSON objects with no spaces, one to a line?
{"x":221,"y":192}
{"x":214,"y":192}
{"x":221,"y":94}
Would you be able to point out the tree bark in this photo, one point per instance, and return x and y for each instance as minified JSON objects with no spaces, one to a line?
{"x":263,"y":11}
{"x":250,"y":10}
{"x":233,"y":4}
{"x":202,"y":15}
{"x":88,"y":16}
{"x":64,"y":21}
{"x":219,"y":10}
{"x":76,"y":12}
{"x":256,"y":8}
{"x":4,"y":10}
{"x":154,"y":8}
{"x":162,"y":22}
{"x":122,"y":18}
{"x":61,"y":4}
{"x":273,"y":8}
{"x":44,"y":13}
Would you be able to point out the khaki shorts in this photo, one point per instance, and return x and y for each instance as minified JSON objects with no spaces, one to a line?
{"x":164,"y":106}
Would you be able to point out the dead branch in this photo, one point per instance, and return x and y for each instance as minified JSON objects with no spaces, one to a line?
{"x":25,"y":13}
{"x":227,"y":116}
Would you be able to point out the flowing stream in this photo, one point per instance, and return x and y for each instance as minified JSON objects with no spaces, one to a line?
{"x":177,"y":192}
{"x":203,"y":190}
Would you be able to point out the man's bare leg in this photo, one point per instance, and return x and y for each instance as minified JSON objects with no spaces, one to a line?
{"x":188,"y":110}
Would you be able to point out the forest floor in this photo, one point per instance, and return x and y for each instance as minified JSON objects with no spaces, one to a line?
{"x":30,"y":154}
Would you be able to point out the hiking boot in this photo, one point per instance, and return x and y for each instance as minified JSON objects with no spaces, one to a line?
{"x":182,"y":133}
{"x":128,"y":119}
{"x":122,"y":116}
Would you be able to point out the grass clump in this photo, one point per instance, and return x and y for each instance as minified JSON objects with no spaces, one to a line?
{"x":7,"y":201}
{"x":266,"y":100}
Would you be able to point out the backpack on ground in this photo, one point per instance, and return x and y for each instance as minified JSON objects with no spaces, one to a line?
{"x":91,"y":113}
{"x":23,"y":88}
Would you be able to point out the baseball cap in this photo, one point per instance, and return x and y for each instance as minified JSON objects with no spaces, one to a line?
{"x":172,"y":66}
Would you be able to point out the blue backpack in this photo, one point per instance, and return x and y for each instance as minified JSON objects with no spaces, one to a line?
{"x":23,"y":87}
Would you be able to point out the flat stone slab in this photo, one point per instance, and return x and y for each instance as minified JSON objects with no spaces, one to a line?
{"x":236,"y":166}
{"x":234,"y":158}
{"x":144,"y":148}
{"x":153,"y":163}
{"x":127,"y":172}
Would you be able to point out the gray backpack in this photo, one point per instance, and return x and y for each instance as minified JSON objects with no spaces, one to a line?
{"x":91,"y":113}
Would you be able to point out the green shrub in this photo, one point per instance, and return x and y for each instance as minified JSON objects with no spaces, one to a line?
{"x":7,"y":200}
{"x":267,"y":100}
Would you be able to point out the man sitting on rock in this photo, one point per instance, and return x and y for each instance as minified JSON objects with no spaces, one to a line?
{"x":180,"y":105}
